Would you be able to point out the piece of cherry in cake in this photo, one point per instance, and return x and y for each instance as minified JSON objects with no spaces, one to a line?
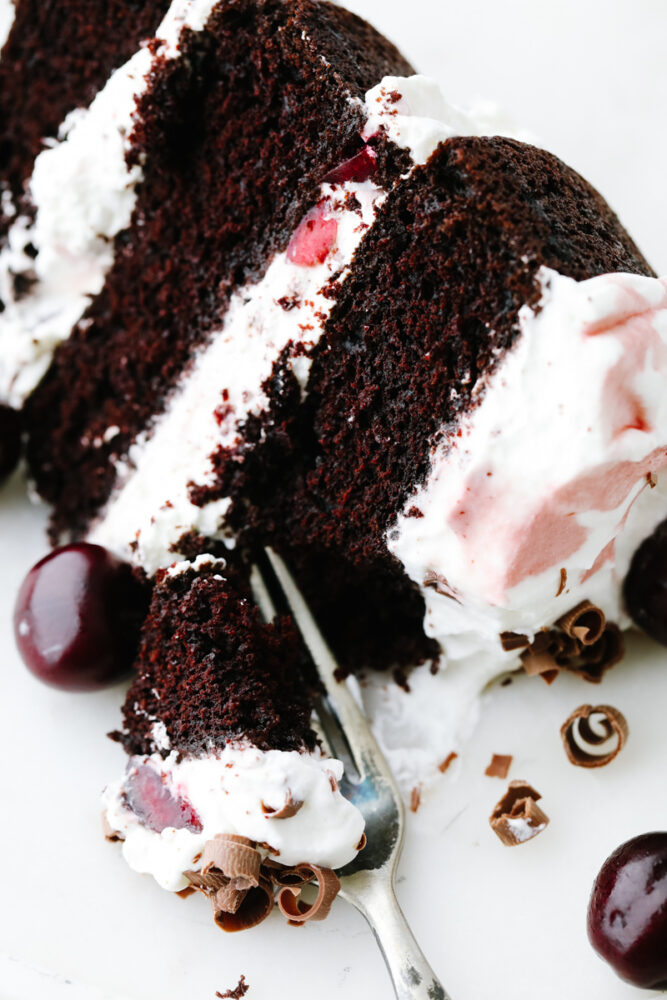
{"x":221,"y":749}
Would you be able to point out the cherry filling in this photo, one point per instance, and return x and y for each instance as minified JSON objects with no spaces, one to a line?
{"x":151,"y":801}
{"x":10,"y":441}
{"x":358,"y":168}
{"x":645,"y":587}
{"x":313,"y":239}
{"x":627,"y":913}
{"x":77,"y":618}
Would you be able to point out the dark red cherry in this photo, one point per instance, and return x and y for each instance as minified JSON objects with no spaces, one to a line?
{"x":627,"y":914}
{"x":645,"y":588}
{"x":357,"y":168}
{"x":10,"y":441}
{"x":77,"y":618}
{"x":149,"y":798}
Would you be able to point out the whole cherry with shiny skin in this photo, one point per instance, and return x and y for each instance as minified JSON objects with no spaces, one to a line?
{"x":10,"y":441}
{"x":77,"y":618}
{"x":645,"y":587}
{"x":627,"y":913}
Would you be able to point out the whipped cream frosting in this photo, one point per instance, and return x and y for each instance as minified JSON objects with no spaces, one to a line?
{"x":414,"y":114}
{"x":227,"y":789}
{"x":7,"y":12}
{"x":84,"y":194}
{"x":550,"y":476}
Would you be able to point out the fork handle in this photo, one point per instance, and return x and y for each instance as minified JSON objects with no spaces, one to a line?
{"x":411,"y":974}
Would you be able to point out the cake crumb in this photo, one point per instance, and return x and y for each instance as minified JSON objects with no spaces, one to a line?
{"x":239,"y":991}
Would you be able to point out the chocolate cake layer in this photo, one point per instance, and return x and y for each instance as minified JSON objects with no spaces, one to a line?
{"x":210,"y":671}
{"x":234,"y":137}
{"x":431,"y":304}
{"x":56,"y":58}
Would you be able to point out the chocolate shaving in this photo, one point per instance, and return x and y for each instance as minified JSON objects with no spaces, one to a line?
{"x":415,"y":798}
{"x":578,"y":735}
{"x":513,"y":640}
{"x":563,"y":582}
{"x":290,"y":807}
{"x":447,"y":762}
{"x":517,"y":817}
{"x":296,"y":910}
{"x":255,"y":907}
{"x":234,"y":858}
{"x":595,"y":660}
{"x":237,"y":993}
{"x":113,"y":836}
{"x":584,"y":622}
{"x":438,"y":583}
{"x":230,"y":876}
{"x":499,"y":766}
{"x":581,"y":642}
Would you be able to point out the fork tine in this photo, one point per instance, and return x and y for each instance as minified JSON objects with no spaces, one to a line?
{"x":355,"y":730}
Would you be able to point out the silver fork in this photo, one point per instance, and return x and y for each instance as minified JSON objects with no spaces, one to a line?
{"x":368,"y":881}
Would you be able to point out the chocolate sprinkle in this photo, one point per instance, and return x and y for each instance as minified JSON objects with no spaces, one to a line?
{"x":578,"y":735}
{"x":517,"y":817}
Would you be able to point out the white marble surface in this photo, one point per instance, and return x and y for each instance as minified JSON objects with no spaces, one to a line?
{"x":589,"y":77}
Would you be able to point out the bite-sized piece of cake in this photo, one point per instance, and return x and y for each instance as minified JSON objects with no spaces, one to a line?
{"x":217,"y":726}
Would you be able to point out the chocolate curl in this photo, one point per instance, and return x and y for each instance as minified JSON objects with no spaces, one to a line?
{"x":298,"y":912}
{"x":595,"y":660}
{"x":499,"y":766}
{"x":230,"y":876}
{"x":541,"y":655}
{"x":233,"y":857}
{"x":113,"y":836}
{"x":290,"y":807}
{"x":584,"y":622}
{"x":577,"y":734}
{"x":517,"y":817}
{"x":255,"y":907}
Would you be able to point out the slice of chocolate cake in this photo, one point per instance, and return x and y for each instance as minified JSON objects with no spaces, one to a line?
{"x":279,"y":291}
{"x":217,"y":726}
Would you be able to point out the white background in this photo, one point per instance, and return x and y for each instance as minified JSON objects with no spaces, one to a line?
{"x":589,"y":78}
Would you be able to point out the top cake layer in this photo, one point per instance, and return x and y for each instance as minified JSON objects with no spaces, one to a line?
{"x":313,"y":281}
